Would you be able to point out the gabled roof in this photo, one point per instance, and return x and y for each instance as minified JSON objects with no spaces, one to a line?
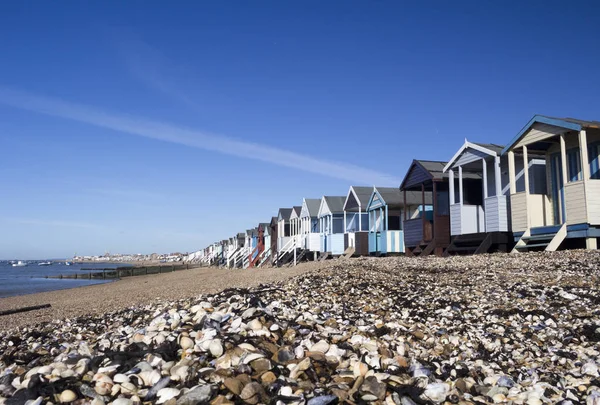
{"x":241,"y":235}
{"x":486,"y":148}
{"x":361,"y":194}
{"x":429,"y":170}
{"x":570,"y":124}
{"x":264,"y":226}
{"x":393,"y":197}
{"x":296,"y":212}
{"x":274,"y":221}
{"x":284,"y":214}
{"x":332,"y":204}
{"x":310,"y":207}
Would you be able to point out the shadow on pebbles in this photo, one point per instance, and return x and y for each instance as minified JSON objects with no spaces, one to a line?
{"x":521,"y":329}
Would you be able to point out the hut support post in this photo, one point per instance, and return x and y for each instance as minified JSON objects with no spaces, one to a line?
{"x":386,"y":218}
{"x":498,"y":179}
{"x":526,"y":169}
{"x":583,"y":151}
{"x":460,"y":185}
{"x":359,"y":219}
{"x":405,"y":206}
{"x":435,"y":207}
{"x":451,"y":184}
{"x":484,"y":174}
{"x":423,"y":216}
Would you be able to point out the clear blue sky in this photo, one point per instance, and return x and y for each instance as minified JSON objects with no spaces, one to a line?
{"x":145,"y":126}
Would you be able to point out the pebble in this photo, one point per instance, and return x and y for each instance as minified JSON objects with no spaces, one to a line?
{"x":522,"y":329}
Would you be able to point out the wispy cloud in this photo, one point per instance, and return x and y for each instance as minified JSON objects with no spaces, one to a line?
{"x":146,"y":64}
{"x":52,"y":223}
{"x":192,"y":138}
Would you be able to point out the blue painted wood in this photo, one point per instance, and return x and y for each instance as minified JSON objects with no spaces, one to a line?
{"x":416,"y":175}
{"x":541,"y":230}
{"x":372,"y":242}
{"x":413,"y":232}
{"x":543,"y":120}
{"x":382,"y":242}
{"x":335,"y":243}
{"x":578,"y":227}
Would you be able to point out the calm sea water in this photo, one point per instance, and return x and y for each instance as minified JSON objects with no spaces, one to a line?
{"x":31,"y":278}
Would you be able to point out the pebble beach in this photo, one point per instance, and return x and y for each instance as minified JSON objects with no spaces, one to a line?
{"x":520,"y":329}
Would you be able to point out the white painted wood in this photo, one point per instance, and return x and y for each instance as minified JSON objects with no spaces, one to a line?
{"x":498,"y":175}
{"x":518,"y":207}
{"x":469,"y":156}
{"x":591,"y":243}
{"x":526,"y":169}
{"x":482,"y":151}
{"x":583,"y":149}
{"x":359,"y":219}
{"x":511,"y":172}
{"x":460,"y":185}
{"x":592,"y":189}
{"x":575,"y":200}
{"x":451,"y":179}
{"x":484,"y":175}
{"x":455,"y":219}
{"x":558,"y":238}
{"x":496,"y":214}
{"x":521,"y":242}
{"x":563,"y":158}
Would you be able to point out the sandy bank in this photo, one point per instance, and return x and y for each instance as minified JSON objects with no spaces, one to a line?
{"x":98,"y":299}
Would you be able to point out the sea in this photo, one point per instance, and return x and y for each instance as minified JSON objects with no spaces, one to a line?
{"x":32,"y":278}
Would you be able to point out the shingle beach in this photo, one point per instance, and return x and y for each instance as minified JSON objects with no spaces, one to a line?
{"x":522,"y":329}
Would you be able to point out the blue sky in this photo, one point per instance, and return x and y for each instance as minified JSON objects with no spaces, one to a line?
{"x":148,"y":126}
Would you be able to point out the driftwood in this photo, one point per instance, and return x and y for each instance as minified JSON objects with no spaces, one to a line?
{"x":24,"y":309}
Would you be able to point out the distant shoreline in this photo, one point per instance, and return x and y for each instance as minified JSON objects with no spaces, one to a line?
{"x":137,"y":263}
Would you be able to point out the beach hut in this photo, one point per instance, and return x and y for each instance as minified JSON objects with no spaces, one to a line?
{"x":356,"y":220}
{"x":274,"y":225}
{"x":567,"y":212}
{"x":309,"y":225}
{"x":429,"y":231}
{"x":284,"y":235}
{"x":259,"y":245}
{"x":267,"y":252}
{"x":385,"y":210}
{"x":241,"y":250}
{"x":295,"y":224}
{"x":331,"y":217}
{"x":479,"y":209}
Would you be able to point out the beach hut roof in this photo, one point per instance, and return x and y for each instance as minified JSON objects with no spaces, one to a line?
{"x":569,"y":124}
{"x":310,"y":207}
{"x":358,"y":196}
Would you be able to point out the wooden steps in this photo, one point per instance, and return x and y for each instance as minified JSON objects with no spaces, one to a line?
{"x":348,"y":253}
{"x":547,"y":238}
{"x":478,"y":243}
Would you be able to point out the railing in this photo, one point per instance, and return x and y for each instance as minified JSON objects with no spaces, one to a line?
{"x":291,"y":244}
{"x":264,"y":257}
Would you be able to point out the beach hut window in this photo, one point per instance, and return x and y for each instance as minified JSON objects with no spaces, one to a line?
{"x":574,"y":165}
{"x":593,"y":157}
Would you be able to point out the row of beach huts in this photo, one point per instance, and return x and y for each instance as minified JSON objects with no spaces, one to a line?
{"x":539,"y":192}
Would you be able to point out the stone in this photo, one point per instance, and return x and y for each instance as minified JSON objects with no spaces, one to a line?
{"x":268,"y":378}
{"x":261,"y":365}
{"x":252,"y":393}
{"x":200,"y":394}
{"x":372,"y":387}
{"x":67,"y":396}
{"x":234,"y":385}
